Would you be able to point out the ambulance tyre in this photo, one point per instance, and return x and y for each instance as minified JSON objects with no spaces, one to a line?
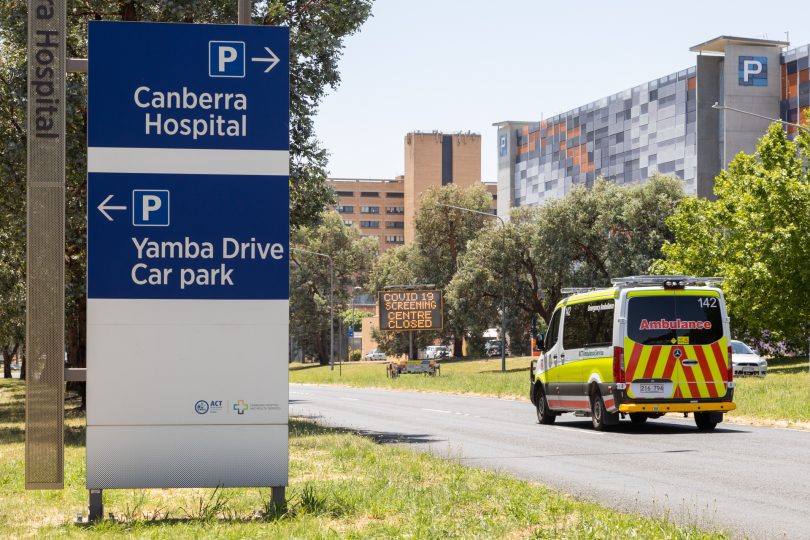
{"x":544,"y":414}
{"x":601,"y":419}
{"x":705,"y":421}
{"x":638,"y":418}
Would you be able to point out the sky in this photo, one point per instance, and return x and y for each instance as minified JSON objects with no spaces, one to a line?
{"x":462,"y":65}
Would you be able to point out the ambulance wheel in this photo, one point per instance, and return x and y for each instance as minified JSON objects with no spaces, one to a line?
{"x":704,"y":421}
{"x":544,"y":414}
{"x":601,"y":419}
{"x":638,"y":418}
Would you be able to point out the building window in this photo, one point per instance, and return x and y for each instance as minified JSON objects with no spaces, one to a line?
{"x":369,"y":193}
{"x":395,"y":239}
{"x":394,"y":224}
{"x":370,"y":209}
{"x":374,"y":236}
{"x":345,"y":193}
{"x":348,"y":222}
{"x":394,"y":210}
{"x":345,"y":209}
{"x":395,"y":195}
{"x":370,"y":224}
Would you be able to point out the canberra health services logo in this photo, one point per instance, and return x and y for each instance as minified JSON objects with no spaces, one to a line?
{"x":753,"y":71}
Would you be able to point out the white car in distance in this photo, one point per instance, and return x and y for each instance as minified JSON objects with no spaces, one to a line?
{"x":376,"y":355}
{"x":745,"y":361}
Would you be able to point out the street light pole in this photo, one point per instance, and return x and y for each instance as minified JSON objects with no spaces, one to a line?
{"x":503,"y":279}
{"x":331,"y":303}
{"x":797,"y":126}
{"x":749,"y":113}
{"x":351,"y":345}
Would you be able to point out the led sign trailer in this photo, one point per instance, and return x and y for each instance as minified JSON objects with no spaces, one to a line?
{"x":405,"y":311}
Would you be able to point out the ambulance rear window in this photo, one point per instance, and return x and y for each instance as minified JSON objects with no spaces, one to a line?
{"x":674,"y":320}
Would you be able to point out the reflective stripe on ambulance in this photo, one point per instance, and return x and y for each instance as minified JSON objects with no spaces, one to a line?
{"x":706,"y":378}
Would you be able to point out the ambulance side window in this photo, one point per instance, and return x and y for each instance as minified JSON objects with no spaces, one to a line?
{"x":553,"y":330}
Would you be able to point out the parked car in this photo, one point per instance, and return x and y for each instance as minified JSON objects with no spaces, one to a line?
{"x":376,"y":355}
{"x":437,"y":351}
{"x":745,"y":361}
{"x":493,"y":348}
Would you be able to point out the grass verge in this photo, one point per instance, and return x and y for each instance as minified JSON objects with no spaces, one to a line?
{"x":343,"y":485}
{"x":784,"y":395}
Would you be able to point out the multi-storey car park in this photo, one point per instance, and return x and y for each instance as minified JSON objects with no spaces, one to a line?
{"x":669,"y":125}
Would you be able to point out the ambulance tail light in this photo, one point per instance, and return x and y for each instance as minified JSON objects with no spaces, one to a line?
{"x":618,"y":365}
{"x":730,"y":366}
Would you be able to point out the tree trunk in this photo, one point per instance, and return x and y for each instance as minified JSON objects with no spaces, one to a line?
{"x":322,"y":348}
{"x":9,"y":352}
{"x":458,"y":346}
{"x":77,"y":345}
{"x":23,"y":367}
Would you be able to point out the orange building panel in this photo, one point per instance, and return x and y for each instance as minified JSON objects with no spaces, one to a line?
{"x":691,"y":83}
{"x":792,"y":85}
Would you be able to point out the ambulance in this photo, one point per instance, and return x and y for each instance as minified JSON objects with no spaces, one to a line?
{"x":647,"y":346}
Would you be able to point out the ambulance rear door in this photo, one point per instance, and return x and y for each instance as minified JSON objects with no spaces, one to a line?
{"x":675,"y":347}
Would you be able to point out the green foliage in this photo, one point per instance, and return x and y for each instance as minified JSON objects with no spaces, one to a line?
{"x":757,"y":236}
{"x":352,"y":257}
{"x":583,"y":239}
{"x":442,"y":237}
{"x":354,"y":318}
{"x":12,"y":200}
{"x":355,"y":356}
{"x":402,"y":265}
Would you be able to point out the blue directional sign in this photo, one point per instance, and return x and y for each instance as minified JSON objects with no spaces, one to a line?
{"x":188,"y":160}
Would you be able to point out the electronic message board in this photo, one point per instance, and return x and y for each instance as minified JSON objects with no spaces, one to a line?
{"x":405,"y":311}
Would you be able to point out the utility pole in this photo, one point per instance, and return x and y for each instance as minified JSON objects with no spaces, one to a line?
{"x":503,"y":279}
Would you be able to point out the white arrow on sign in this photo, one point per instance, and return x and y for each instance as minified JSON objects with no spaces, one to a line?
{"x":103,"y":207}
{"x":273,"y":59}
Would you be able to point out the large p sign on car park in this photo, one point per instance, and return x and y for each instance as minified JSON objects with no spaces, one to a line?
{"x":188,"y":232}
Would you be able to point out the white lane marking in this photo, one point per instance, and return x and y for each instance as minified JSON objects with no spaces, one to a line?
{"x":579,"y":430}
{"x":438,"y":410}
{"x":350,"y":399}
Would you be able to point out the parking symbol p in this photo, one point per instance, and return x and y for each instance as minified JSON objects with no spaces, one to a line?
{"x":150,"y":208}
{"x":753,"y":71}
{"x":226,"y":58}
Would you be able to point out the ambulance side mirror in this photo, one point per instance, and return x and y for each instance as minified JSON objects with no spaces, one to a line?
{"x":540,"y":343}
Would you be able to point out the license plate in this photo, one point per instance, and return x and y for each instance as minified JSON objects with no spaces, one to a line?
{"x":652,"y":388}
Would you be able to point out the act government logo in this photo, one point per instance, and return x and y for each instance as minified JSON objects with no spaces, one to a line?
{"x":201,"y":407}
{"x":208,"y":406}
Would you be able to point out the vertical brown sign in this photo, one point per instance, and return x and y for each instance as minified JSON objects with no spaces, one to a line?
{"x":45,"y":266}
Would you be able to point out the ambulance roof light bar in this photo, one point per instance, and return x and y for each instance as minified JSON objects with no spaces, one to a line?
{"x":669,"y":282}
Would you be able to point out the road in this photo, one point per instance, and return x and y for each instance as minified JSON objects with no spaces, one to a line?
{"x":754,"y":482}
